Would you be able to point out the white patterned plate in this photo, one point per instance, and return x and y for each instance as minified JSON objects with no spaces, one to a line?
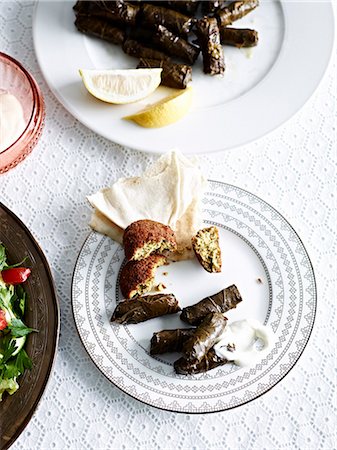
{"x":260,"y":89}
{"x":257,"y":242}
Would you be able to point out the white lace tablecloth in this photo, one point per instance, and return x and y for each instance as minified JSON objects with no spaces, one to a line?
{"x":294,"y":169}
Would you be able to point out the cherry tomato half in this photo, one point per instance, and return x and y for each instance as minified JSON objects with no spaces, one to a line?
{"x":17,"y":275}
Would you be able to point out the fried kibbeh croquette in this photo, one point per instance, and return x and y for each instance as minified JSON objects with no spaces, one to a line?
{"x":137,"y":277}
{"x":207,"y":250}
{"x":145,"y":237}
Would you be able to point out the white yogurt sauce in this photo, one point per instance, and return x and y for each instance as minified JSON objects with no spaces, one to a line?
{"x":239,"y":342}
{"x":12,"y":123}
{"x":249,"y":52}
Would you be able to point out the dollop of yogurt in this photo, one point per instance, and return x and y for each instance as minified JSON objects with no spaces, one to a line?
{"x":12,"y":123}
{"x":245,"y":342}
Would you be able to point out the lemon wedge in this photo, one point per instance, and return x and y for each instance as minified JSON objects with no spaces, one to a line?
{"x":166,"y":111}
{"x":121,"y":86}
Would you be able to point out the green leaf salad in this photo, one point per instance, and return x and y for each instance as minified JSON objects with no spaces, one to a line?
{"x":13,"y":331}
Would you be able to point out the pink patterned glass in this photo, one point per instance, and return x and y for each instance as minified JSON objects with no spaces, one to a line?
{"x":15,"y":80}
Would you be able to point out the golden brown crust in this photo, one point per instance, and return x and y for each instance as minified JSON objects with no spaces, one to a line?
{"x":137,"y":277}
{"x":145,"y":237}
{"x":207,"y":250}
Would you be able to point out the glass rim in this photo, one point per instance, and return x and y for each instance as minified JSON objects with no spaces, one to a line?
{"x":37,"y":102}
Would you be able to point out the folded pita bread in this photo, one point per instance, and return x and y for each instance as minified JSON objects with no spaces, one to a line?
{"x":169,"y":192}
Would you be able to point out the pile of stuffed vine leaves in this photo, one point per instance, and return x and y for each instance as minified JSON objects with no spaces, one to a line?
{"x":163,"y":30}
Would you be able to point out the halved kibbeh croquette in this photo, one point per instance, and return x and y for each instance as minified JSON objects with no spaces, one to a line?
{"x":206,"y":248}
{"x":145,"y":237}
{"x":137,"y":277}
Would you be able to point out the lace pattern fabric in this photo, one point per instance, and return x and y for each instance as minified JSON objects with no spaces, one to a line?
{"x":293,"y":169}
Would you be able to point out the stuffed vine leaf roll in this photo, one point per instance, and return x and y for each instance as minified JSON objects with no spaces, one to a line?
{"x":236,"y":10}
{"x":100,"y":28}
{"x":134,"y":48}
{"x":220,"y":302}
{"x":204,"y":336}
{"x":153,"y":15}
{"x":142,"y":35}
{"x":239,"y":37}
{"x":118,"y":11}
{"x":212,"y":51}
{"x":173,"y":75}
{"x":212,"y":6}
{"x":167,"y":341}
{"x":185,"y":366}
{"x":188,"y":7}
{"x":176,"y":46}
{"x":78,"y":5}
{"x":144,"y":308}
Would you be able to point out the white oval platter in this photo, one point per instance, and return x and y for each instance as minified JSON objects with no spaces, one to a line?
{"x":262,"y":87}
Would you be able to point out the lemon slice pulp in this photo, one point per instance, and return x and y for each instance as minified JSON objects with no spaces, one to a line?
{"x":121,"y":86}
{"x":166,"y":111}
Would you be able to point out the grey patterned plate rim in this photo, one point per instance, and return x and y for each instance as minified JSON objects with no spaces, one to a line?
{"x":257,"y":228}
{"x":42,"y":313}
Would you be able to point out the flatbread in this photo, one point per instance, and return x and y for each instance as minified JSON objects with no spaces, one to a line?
{"x":169,"y":192}
{"x":102,"y":224}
